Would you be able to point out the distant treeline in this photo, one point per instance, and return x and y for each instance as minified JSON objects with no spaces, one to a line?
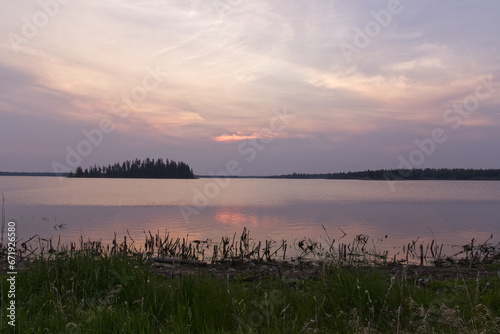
{"x":421,"y":174}
{"x":32,"y":174}
{"x":300,"y":176}
{"x":405,"y":174}
{"x":149,"y":169}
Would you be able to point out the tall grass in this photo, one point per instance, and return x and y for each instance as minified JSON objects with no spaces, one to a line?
{"x":90,"y":290}
{"x":115,"y":294}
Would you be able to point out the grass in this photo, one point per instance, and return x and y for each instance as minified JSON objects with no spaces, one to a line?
{"x":114,"y":294}
{"x":94,"y":290}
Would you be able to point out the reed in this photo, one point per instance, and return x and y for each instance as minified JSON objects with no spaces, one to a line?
{"x":246,"y":249}
{"x":3,"y":220}
{"x":91,"y":287}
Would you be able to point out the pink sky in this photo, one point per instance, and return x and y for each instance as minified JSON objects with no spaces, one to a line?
{"x":356,"y":85}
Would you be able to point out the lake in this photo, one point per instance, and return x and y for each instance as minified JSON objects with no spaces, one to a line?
{"x":391,"y":214}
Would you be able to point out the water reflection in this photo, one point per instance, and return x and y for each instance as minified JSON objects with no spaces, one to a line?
{"x":282,"y":209}
{"x":226,"y":216}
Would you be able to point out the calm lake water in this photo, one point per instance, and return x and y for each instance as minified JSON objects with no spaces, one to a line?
{"x":453,"y":212}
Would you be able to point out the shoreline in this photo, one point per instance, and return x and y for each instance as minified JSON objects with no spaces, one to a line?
{"x":94,"y":289}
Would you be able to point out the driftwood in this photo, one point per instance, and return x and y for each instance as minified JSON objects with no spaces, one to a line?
{"x":178,"y":261}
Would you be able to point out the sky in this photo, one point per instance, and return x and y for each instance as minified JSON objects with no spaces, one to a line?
{"x":250,"y":87}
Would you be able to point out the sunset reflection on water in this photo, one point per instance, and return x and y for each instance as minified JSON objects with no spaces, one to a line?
{"x":454,"y":212}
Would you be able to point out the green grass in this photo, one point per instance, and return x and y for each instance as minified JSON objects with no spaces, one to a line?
{"x":83,"y":293}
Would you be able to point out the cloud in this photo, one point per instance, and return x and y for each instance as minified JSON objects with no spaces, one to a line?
{"x":229,"y":65}
{"x":266,"y":135}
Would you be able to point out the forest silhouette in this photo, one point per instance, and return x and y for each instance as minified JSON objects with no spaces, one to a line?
{"x":146,"y":169}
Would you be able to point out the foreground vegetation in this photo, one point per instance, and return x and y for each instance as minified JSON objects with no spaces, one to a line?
{"x":91,"y":289}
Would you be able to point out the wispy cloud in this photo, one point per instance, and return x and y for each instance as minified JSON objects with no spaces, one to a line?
{"x":227,"y":67}
{"x":241,"y":136}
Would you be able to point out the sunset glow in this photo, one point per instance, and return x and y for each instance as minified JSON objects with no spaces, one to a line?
{"x":191,"y":80}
